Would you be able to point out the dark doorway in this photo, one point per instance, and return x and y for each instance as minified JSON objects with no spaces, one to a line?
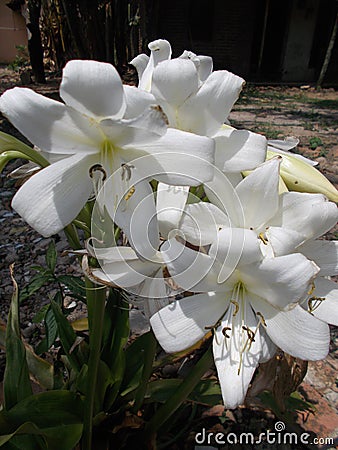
{"x":271,"y":26}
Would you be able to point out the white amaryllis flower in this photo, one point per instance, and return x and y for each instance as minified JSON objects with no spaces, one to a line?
{"x":323,"y":298}
{"x":102,"y":126}
{"x":253,"y":310}
{"x":250,"y":288}
{"x":197,"y":100}
{"x":122,"y":266}
{"x":280,"y":222}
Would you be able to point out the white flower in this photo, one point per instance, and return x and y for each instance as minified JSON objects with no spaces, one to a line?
{"x":197,"y":100}
{"x":280,"y":222}
{"x":140,"y":272}
{"x":252,"y":281}
{"x":102,"y":125}
{"x":323,"y":299}
{"x":255,"y":309}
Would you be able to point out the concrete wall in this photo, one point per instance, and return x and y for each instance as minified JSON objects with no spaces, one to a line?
{"x":299,"y":41}
{"x":12,"y":33}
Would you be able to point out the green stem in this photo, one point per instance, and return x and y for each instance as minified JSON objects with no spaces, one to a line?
{"x":10,"y":143}
{"x":96,"y":299}
{"x":147,"y":371}
{"x":72,"y":237}
{"x":181,"y":394}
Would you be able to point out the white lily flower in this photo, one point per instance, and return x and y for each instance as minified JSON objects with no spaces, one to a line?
{"x":322,"y":301}
{"x":280,"y":222}
{"x":140,"y":272}
{"x":250,"y":313}
{"x":197,"y":100}
{"x":102,"y":126}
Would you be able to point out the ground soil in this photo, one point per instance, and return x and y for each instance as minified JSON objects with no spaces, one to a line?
{"x":277,"y":112}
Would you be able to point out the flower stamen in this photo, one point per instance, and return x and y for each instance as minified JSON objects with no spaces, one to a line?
{"x":236,"y":305}
{"x":263,"y":238}
{"x":126,"y":171}
{"x":314,"y":303}
{"x":129,"y":193}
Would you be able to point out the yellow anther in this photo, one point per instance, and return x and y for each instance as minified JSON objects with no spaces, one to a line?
{"x":97,"y":168}
{"x":129,"y":193}
{"x":126,"y":171}
{"x":250,"y":333}
{"x":236,"y":305}
{"x":314,"y":303}
{"x":261,"y":318}
{"x":263,"y":238}
{"x":224,"y":331}
{"x":312,"y":288}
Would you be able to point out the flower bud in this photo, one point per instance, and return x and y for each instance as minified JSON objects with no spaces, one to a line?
{"x":300,"y":176}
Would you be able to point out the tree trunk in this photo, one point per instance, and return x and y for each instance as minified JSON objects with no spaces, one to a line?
{"x":34,"y":43}
{"x":328,"y":54}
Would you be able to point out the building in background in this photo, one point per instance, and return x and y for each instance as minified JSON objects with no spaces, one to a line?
{"x":261,"y":40}
{"x":13,"y":33}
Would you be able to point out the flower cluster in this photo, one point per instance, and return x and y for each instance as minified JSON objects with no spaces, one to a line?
{"x":203,"y":208}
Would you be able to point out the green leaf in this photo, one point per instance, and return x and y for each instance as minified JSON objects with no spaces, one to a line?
{"x":115,"y":337}
{"x":16,"y":378}
{"x":35,"y":283}
{"x":51,"y":256}
{"x":67,"y":337}
{"x":51,"y":329}
{"x":10,"y":143}
{"x":206,"y":391}
{"x":55,"y":415}
{"x":41,"y":370}
{"x":40,"y":315}
{"x":75,"y":284}
{"x":135,"y":358}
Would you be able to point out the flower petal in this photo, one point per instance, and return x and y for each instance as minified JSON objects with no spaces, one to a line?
{"x":93,"y":88}
{"x":281,"y":281}
{"x":295,"y":331}
{"x":140,"y":62}
{"x":154,"y":291}
{"x":179,"y":158}
{"x":125,"y":273}
{"x":191,"y":270}
{"x":146,"y":128}
{"x":234,"y":248}
{"x":48,"y":124}
{"x":201,"y":222}
{"x":184,"y":322}
{"x":324,"y":254}
{"x":160,"y":51}
{"x":238,"y":150}
{"x":174,"y":81}
{"x":283,"y":240}
{"x":327,"y":309}
{"x":206,"y":111}
{"x":309,"y":214}
{"x":204,"y":64}
{"x":53,"y":197}
{"x":170,"y":203}
{"x":222,"y":193}
{"x":235,"y":357}
{"x":258,"y":194}
{"x":137,"y":101}
{"x":135,"y":213}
